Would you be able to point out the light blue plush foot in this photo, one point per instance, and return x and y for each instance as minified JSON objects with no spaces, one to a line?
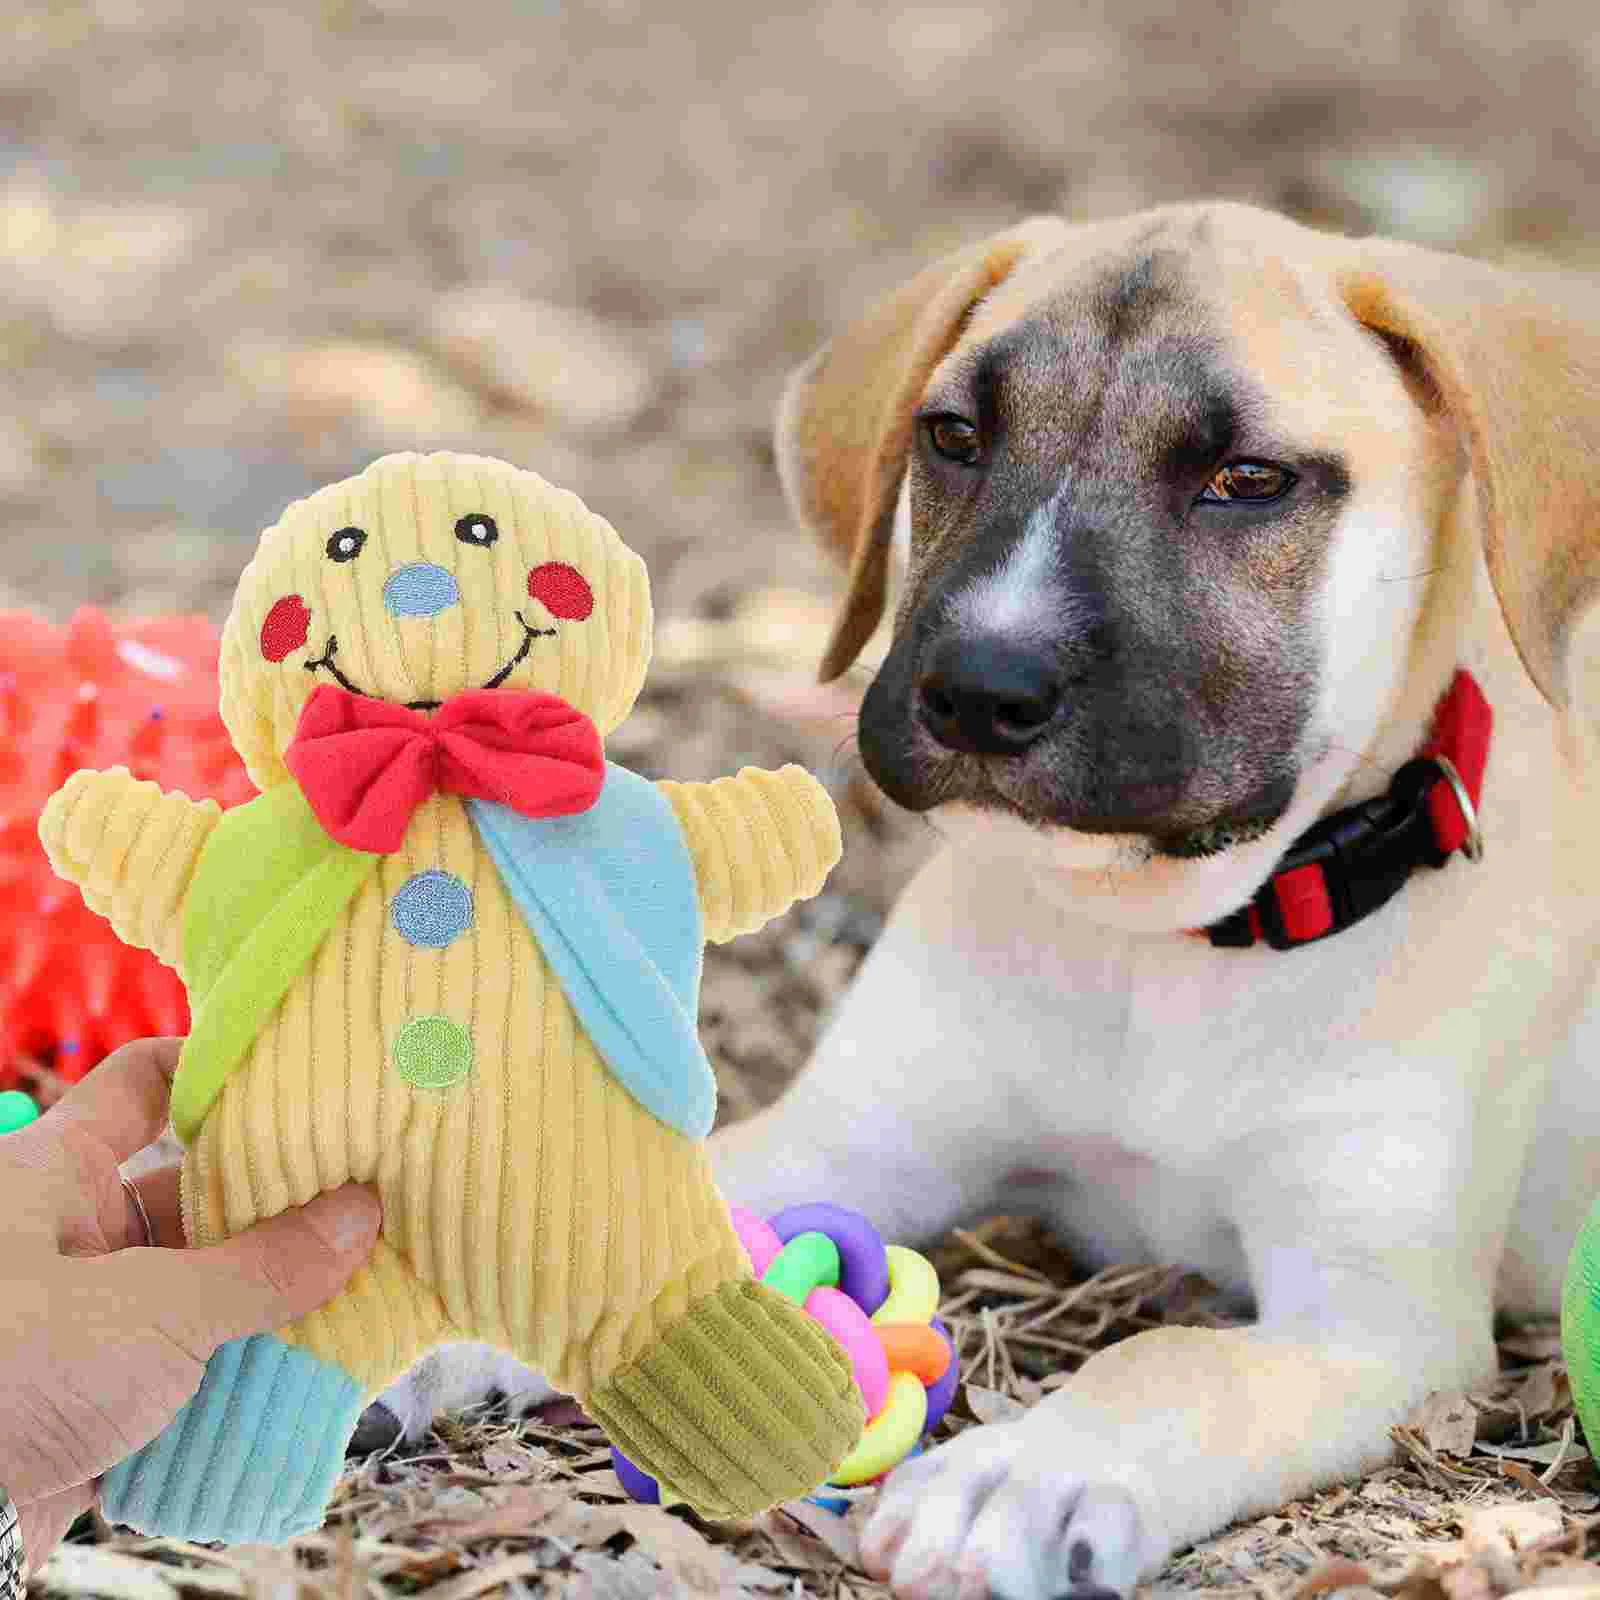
{"x":251,"y":1459}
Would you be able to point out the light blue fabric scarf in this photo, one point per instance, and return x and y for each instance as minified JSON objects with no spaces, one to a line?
{"x":610,"y":895}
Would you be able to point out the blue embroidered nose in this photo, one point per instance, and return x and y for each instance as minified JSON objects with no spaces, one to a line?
{"x":420,"y":589}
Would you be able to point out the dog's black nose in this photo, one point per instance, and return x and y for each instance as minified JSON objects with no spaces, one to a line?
{"x":987,"y":697}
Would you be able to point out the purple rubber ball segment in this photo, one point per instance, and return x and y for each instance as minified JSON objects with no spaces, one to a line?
{"x":863,"y":1264}
{"x":639,"y":1484}
{"x":942,"y":1391}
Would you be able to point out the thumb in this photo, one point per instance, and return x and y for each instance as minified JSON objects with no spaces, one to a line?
{"x":278,"y":1270}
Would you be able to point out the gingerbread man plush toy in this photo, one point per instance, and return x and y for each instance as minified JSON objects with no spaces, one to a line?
{"x":453,"y":952}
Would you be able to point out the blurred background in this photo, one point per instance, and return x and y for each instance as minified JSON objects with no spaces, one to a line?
{"x":243,"y":250}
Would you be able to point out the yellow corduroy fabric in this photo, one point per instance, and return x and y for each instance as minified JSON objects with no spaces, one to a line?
{"x":533,"y":1204}
{"x":131,"y":849}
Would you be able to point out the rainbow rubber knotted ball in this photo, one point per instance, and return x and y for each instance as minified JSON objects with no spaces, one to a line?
{"x":878,"y":1302}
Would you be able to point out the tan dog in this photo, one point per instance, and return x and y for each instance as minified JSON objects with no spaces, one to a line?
{"x":1205,"y":509}
{"x":1201,"y":512}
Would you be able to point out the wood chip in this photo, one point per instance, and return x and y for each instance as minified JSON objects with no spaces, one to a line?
{"x":681,"y":1550}
{"x":630,"y":1576}
{"x":507,"y":1458}
{"x":760,"y":1580}
{"x":800,"y":1552}
{"x":836,"y":1532}
{"x":1543,"y":1390}
{"x":1337,"y":1573}
{"x":516,"y":1513}
{"x":1447,"y":1421}
{"x":1518,"y":1473}
{"x":483,"y":1579}
{"x":1437,"y":1471}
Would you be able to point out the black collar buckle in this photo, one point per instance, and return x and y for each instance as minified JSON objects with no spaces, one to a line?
{"x":1364,"y":854}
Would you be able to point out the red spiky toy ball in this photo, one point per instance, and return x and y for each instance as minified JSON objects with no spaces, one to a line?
{"x":140,"y":695}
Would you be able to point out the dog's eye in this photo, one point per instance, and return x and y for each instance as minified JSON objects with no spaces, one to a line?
{"x":1248,"y":480}
{"x":955,"y":439}
{"x":345,"y":545}
{"x":477,"y":529}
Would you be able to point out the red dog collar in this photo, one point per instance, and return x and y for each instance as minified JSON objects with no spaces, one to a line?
{"x":1344,"y":867}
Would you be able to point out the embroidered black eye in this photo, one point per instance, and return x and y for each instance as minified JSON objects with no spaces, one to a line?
{"x":477,"y":529}
{"x":955,"y":439}
{"x":345,"y":545}
{"x":1248,"y":480}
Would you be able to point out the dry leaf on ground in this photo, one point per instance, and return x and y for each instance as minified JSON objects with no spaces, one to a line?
{"x":1447,"y":1421}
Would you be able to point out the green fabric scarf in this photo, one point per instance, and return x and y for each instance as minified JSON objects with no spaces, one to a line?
{"x":267,"y":888}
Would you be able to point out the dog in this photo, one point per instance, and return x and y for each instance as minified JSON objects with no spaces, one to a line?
{"x":1206,"y":525}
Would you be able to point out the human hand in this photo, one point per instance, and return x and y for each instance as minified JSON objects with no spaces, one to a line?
{"x":102,"y":1338}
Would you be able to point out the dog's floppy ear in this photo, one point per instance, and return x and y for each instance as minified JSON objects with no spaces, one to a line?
{"x":1514,"y":362}
{"x":845,"y":422}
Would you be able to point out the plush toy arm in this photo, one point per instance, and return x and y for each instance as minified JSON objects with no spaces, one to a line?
{"x":131,"y":849}
{"x":760,"y":841}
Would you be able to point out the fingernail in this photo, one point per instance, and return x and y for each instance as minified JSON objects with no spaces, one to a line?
{"x":344,"y":1219}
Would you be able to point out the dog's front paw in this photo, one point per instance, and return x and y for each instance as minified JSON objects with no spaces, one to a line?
{"x":1009,"y":1511}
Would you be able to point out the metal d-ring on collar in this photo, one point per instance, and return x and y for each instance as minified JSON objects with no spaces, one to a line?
{"x":1472,"y":847}
{"x":1359,"y":858}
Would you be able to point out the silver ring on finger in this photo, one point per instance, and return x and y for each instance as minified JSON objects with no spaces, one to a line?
{"x":138,"y":1205}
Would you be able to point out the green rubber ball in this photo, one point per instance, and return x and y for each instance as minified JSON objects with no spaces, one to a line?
{"x":1580,"y":1325}
{"x":17,"y":1110}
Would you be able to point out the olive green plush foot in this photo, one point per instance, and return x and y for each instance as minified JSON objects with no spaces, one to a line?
{"x":743,"y":1404}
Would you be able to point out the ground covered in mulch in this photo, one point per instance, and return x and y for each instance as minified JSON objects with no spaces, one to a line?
{"x":244,"y":249}
{"x":1488,"y":1494}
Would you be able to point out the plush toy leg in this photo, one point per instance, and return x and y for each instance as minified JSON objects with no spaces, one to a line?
{"x":252,"y":1458}
{"x":743,"y":1403}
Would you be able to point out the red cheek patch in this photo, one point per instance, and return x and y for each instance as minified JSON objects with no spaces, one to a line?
{"x":286,"y":628}
{"x":561,"y":590}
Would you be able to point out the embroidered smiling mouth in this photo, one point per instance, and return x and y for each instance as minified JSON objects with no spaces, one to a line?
{"x":529,"y":634}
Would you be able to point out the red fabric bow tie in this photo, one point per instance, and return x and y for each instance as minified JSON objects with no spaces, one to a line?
{"x":365,"y":765}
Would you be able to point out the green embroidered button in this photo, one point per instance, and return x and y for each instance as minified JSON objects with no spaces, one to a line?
{"x":433,"y":1052}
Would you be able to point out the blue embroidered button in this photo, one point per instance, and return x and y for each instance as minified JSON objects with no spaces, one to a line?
{"x":431,"y":909}
{"x":420,"y":589}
